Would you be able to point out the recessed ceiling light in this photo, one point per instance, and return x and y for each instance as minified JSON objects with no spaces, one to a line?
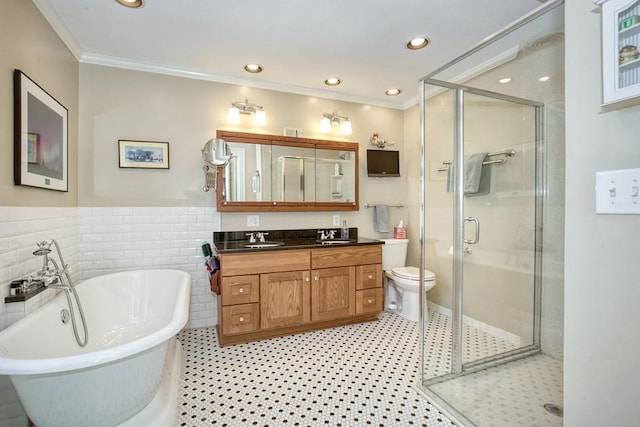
{"x":544,"y":78}
{"x":253,"y":68}
{"x":130,"y":3}
{"x":505,"y":80}
{"x":417,"y":43}
{"x":332,"y":81}
{"x":393,"y":91}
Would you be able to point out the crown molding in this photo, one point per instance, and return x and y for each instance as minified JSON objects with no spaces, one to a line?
{"x":109,"y":61}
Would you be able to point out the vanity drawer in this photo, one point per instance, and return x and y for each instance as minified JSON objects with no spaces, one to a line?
{"x":242,"y":318}
{"x":369,"y":300}
{"x":240,"y":289}
{"x":264,"y":262}
{"x":369,"y":276}
{"x":344,"y":257}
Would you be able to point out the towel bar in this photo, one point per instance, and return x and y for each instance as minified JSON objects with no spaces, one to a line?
{"x":510,"y":152}
{"x":367,"y":205}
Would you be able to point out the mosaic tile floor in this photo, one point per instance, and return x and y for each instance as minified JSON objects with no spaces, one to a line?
{"x":510,"y":395}
{"x":355,"y":375}
{"x":477,"y":344}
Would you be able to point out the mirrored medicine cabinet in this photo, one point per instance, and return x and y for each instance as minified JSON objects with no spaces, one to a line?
{"x":271,"y":173}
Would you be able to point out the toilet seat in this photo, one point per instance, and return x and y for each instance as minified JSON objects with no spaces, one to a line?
{"x":412,"y":273}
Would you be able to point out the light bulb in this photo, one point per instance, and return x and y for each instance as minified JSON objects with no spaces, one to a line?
{"x":260,"y":119}
{"x":325,"y":125}
{"x":345,"y":127}
{"x":234,"y":115}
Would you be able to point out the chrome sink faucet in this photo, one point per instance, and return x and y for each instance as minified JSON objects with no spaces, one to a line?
{"x":260,"y":236}
{"x":327,"y":234}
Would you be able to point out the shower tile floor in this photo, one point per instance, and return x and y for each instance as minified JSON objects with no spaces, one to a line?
{"x":349,"y":376}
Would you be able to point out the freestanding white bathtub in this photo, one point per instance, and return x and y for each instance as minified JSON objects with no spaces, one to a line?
{"x":132,"y":318}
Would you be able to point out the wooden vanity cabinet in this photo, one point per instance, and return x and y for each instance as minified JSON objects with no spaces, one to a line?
{"x":274,"y":293}
{"x":334,"y":293}
{"x":285,"y":299}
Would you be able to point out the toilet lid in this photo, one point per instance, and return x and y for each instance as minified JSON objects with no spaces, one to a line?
{"x":412,"y":273}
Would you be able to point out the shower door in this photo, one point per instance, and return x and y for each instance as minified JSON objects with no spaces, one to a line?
{"x":482,"y":219}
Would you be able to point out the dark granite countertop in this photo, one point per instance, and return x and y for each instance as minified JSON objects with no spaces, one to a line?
{"x":237,"y":241}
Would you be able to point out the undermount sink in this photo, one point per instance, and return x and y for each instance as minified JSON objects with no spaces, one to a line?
{"x":259,"y":245}
{"x":333,"y":242}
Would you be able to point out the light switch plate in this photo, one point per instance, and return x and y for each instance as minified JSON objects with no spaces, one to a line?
{"x":253,"y":220}
{"x":336,"y":220}
{"x":618,"y":192}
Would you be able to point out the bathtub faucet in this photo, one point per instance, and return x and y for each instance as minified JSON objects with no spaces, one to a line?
{"x":51,"y":277}
{"x":59,"y":278}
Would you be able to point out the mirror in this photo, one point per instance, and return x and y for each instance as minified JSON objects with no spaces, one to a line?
{"x":248,"y":172}
{"x":277,"y":173}
{"x":293,"y":178}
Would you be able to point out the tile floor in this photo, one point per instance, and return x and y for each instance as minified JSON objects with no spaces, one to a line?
{"x":355,"y":375}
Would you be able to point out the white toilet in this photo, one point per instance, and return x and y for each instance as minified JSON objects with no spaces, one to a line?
{"x":402,"y":281}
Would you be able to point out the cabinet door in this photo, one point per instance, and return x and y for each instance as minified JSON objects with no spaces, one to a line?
{"x":333,"y":293}
{"x":284,"y":299}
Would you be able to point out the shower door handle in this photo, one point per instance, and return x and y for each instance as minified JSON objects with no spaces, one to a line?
{"x":476,"y":226}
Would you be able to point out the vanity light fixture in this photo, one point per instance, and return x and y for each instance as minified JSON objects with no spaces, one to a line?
{"x":130,"y":3}
{"x":253,"y":68}
{"x":393,"y":91}
{"x":504,"y":80}
{"x":332,"y":81}
{"x":257,"y":111}
{"x":417,"y":43}
{"x":544,"y":78}
{"x":335,"y":119}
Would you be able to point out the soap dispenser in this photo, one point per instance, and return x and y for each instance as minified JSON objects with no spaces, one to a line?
{"x":344,"y":233}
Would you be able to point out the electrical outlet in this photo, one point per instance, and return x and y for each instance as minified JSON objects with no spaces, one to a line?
{"x":253,"y":220}
{"x":336,"y":220}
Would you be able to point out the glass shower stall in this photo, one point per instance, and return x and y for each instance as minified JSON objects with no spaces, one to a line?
{"x":492,"y":131}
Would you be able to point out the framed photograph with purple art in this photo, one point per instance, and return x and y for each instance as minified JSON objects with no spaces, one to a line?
{"x":40,"y":137}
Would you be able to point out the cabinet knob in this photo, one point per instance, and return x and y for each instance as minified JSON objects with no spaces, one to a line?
{"x":369,"y":301}
{"x":306,"y":279}
{"x":241,"y":290}
{"x":241,"y":319}
{"x":316,"y":278}
{"x":369,"y":277}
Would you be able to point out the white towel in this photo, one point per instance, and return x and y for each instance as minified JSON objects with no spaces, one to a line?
{"x":381,"y":218}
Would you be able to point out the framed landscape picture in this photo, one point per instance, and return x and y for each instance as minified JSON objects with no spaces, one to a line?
{"x":40,"y":137}
{"x":143,"y":154}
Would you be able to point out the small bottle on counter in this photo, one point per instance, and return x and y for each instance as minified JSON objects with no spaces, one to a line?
{"x":344,"y":233}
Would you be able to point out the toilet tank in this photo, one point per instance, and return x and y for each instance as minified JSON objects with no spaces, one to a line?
{"x":394,"y":253}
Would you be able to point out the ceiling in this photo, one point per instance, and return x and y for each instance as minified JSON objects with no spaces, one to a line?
{"x":299,"y":43}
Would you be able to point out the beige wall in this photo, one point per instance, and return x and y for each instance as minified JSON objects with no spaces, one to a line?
{"x":602,"y":286}
{"x":28,"y":43}
{"x":123,"y":104}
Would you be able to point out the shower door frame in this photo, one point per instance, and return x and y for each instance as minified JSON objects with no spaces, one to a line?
{"x":459,"y":368}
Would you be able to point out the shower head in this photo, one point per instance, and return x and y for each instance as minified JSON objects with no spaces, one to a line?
{"x":44,"y":248}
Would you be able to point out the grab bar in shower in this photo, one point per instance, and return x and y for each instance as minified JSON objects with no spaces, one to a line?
{"x":510,"y":152}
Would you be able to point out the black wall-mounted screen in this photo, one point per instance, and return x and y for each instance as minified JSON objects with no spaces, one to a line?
{"x":383,"y":163}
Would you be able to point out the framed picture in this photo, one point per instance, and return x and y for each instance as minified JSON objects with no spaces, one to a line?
{"x":40,"y":137}
{"x":143,"y":154}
